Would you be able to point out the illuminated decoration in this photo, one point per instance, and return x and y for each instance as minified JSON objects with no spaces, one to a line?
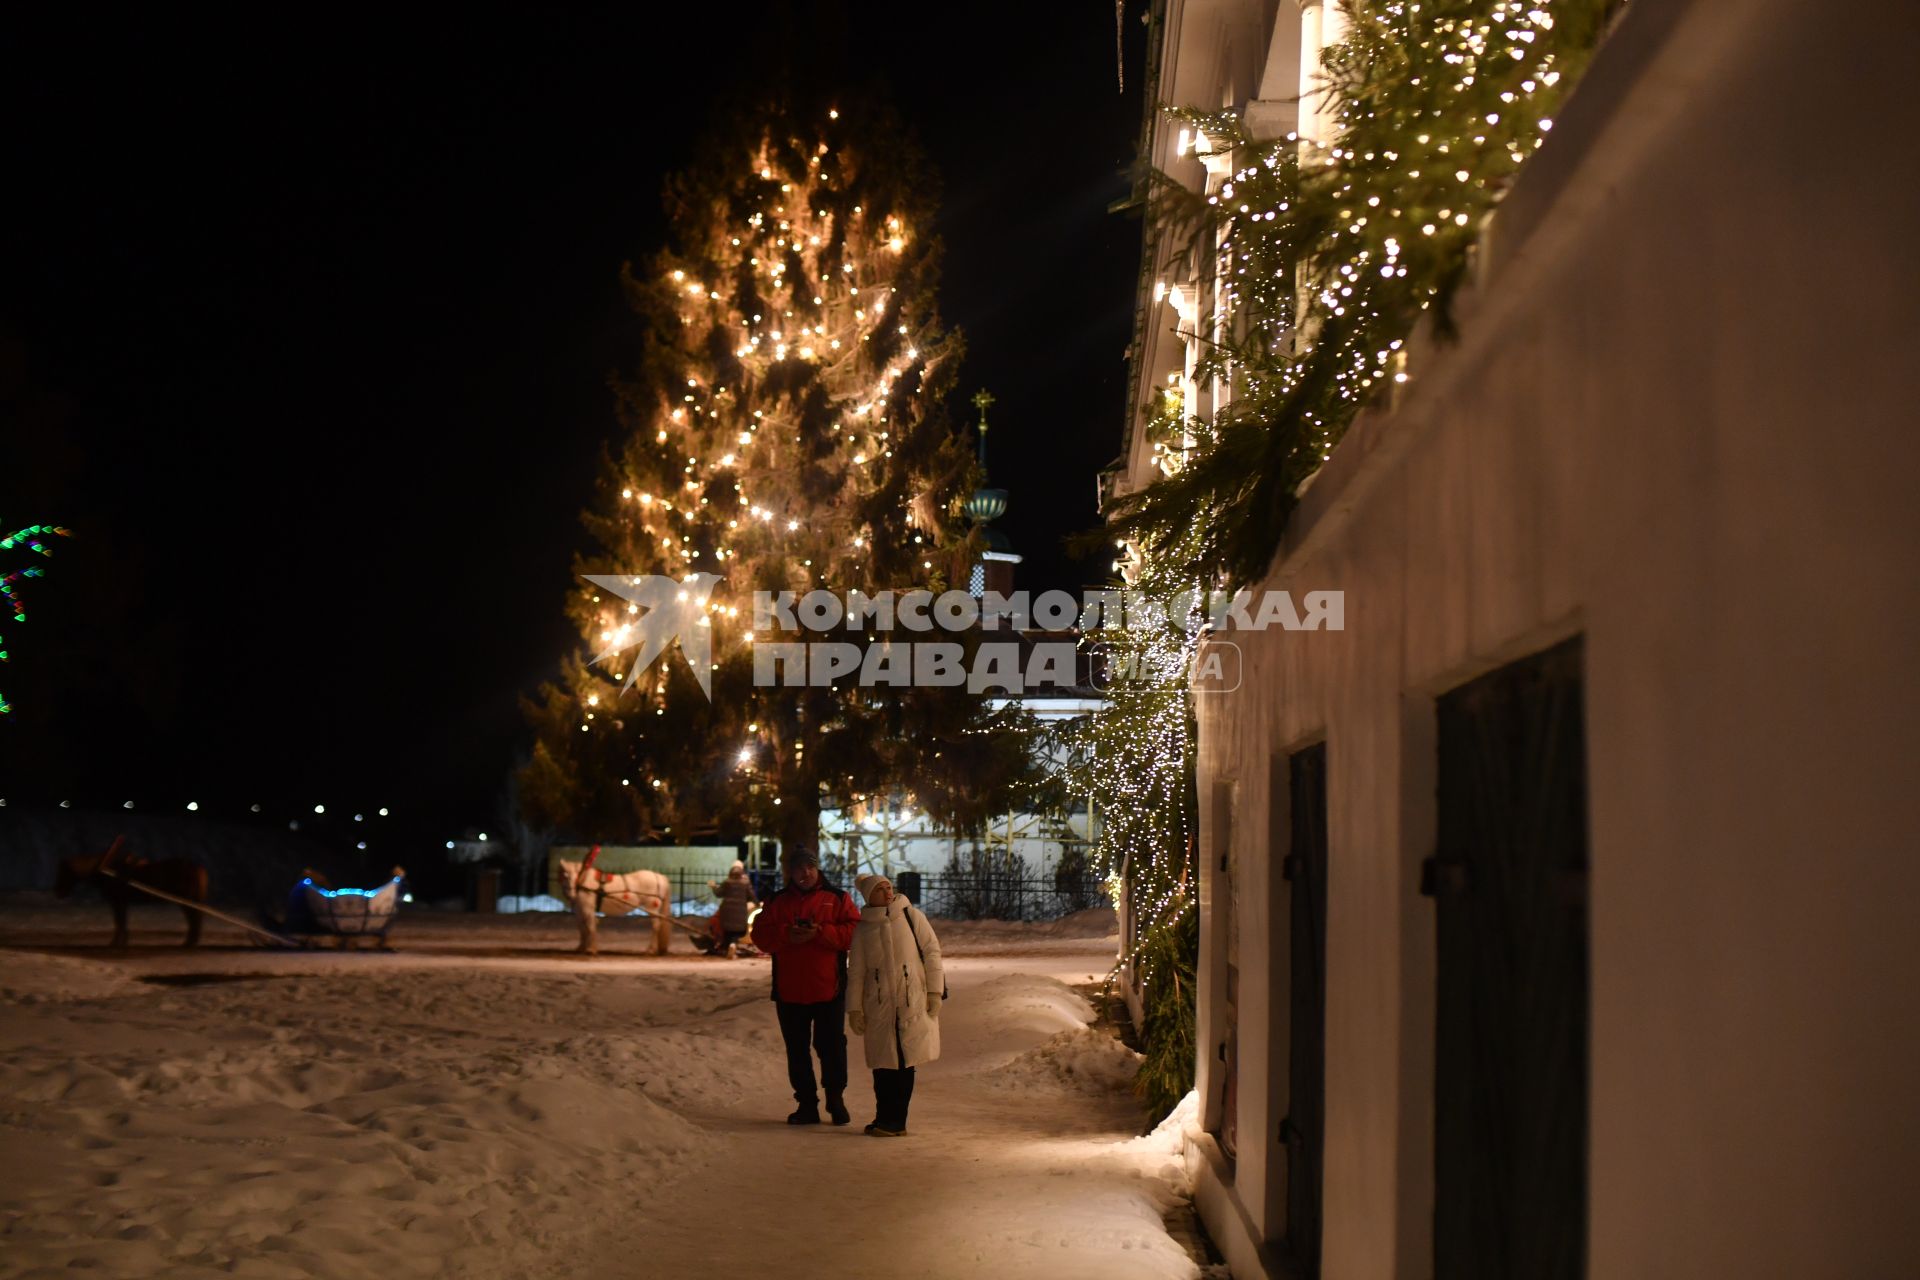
{"x":36,"y":538}
{"x":1308,"y":267}
{"x":1134,"y":757}
{"x":354,"y":912}
{"x":785,"y":430}
{"x":1327,"y":258}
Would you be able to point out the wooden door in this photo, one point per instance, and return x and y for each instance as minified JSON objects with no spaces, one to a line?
{"x":1304,"y":1128}
{"x":1509,"y":879}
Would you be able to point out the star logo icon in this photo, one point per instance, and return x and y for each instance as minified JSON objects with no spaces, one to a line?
{"x":668,"y":610}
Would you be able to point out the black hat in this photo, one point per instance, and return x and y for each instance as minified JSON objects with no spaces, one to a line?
{"x":800,"y":855}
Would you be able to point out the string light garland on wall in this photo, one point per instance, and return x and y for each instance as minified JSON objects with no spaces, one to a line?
{"x":1309,"y":269}
{"x":1135,"y":758}
{"x":1328,"y":258}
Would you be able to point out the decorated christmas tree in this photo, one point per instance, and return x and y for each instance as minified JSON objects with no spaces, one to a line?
{"x":785,"y":430}
{"x":35,"y":538}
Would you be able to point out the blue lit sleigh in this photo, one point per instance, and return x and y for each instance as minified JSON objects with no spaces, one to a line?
{"x":317,"y":911}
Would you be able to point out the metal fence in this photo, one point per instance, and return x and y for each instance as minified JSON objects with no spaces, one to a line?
{"x":985,"y":895}
{"x":955,"y":895}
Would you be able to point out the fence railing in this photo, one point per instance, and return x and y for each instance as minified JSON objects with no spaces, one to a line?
{"x":971,"y":895}
{"x":952,"y":895}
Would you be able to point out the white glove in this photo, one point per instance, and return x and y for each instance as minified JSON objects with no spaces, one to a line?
{"x":857,"y":1021}
{"x":933,"y":1004}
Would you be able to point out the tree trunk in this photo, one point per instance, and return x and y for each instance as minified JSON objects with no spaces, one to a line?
{"x":800,"y":823}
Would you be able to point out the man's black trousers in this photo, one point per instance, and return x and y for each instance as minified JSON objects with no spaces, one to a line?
{"x":815,"y":1028}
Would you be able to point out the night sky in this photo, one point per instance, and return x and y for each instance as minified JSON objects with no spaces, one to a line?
{"x":305,"y":332}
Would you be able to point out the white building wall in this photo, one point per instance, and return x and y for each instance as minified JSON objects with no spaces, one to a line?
{"x":916,"y":845}
{"x":901,"y":837}
{"x":1676,"y":422}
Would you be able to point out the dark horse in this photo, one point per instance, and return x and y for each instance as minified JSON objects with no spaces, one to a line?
{"x":180,"y":877}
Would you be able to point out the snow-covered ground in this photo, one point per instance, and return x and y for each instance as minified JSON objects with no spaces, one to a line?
{"x":483,"y":1103}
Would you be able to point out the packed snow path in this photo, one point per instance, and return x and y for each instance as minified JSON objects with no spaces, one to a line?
{"x":483,"y":1104}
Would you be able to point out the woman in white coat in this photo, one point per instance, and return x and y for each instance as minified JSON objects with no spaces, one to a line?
{"x":894,"y":986}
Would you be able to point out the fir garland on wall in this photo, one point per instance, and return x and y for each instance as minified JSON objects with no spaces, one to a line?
{"x":1333,"y":257}
{"x":1135,"y":757}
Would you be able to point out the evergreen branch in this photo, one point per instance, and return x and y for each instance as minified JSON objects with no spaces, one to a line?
{"x":1334,"y":257}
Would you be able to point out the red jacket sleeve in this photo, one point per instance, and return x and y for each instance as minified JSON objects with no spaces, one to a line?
{"x":770,"y":926}
{"x":838,"y":932}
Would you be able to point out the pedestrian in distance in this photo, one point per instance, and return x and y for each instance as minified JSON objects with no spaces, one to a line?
{"x":895,"y":987}
{"x":807,"y":927}
{"x":736,"y":906}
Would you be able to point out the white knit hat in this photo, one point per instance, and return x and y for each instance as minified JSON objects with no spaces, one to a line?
{"x":867,"y":884}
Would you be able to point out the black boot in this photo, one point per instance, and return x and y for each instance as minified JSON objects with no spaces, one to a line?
{"x":837,"y":1109}
{"x":808,"y":1112}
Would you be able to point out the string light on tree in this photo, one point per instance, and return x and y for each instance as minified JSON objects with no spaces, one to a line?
{"x":787,"y":430}
{"x":37,"y":539}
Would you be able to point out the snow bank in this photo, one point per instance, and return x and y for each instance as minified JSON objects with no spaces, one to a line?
{"x":485,"y":1105}
{"x":513,"y":904}
{"x":1089,"y":1058}
{"x":37,"y":979}
{"x":1096,"y":923}
{"x":309,"y":1125}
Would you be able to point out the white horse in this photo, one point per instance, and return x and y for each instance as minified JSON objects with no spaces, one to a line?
{"x":616,"y":895}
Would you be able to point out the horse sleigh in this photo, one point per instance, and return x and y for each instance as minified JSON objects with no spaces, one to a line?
{"x":314,"y":910}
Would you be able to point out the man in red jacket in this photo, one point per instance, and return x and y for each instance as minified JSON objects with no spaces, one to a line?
{"x":807,"y":928}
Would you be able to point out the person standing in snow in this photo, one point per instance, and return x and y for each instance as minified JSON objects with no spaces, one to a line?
{"x":895,"y":987}
{"x":736,"y":904}
{"x":807,"y":928}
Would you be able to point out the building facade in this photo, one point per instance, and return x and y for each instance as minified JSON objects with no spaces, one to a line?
{"x":1558,"y":915}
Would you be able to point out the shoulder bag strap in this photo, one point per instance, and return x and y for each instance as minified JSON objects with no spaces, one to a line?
{"x":923,"y":951}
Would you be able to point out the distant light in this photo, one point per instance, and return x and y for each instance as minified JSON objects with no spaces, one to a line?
{"x":127,"y":805}
{"x":256,"y":808}
{"x":193,"y":806}
{"x":361,"y":845}
{"x":64,"y":804}
{"x":359,"y":817}
{"x":383,"y":813}
{"x":319,"y":808}
{"x":483,"y":835}
{"x":449,"y":844}
{"x":406,"y":897}
{"x":293,"y":825}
